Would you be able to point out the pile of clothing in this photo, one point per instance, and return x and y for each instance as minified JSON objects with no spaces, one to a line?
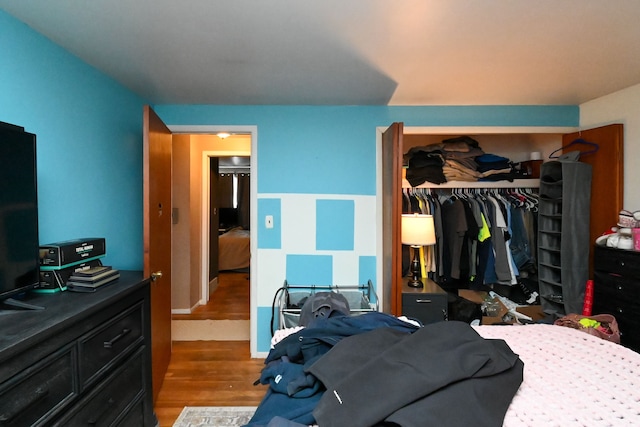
{"x":455,"y":159}
{"x":375,"y":369}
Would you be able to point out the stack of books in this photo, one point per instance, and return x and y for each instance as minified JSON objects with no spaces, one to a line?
{"x":90,"y":279}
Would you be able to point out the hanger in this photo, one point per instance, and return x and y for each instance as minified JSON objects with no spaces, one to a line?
{"x":594,"y":147}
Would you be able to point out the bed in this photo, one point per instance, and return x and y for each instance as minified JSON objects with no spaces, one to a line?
{"x":234,"y":249}
{"x":566,"y":378}
{"x":570,"y":378}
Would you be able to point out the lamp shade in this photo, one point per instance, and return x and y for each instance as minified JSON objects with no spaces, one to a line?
{"x":418,"y":230}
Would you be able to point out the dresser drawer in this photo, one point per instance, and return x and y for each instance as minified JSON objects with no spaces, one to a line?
{"x":620,"y":296}
{"x":135,"y":416}
{"x":36,"y":394}
{"x":113,"y":398}
{"x":110,"y":342}
{"x":621,"y":262}
{"x":616,"y":286}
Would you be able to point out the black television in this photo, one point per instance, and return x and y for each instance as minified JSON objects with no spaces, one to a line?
{"x":19,"y":239}
{"x":228,"y":218}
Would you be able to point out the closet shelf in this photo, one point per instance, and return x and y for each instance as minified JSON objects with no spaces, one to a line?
{"x":552,"y":266}
{"x":552,"y":216}
{"x":516,"y":183}
{"x":553,"y":284}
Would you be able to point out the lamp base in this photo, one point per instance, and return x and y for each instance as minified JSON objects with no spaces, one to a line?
{"x":415,"y":283}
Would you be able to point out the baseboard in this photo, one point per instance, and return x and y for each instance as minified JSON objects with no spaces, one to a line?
{"x":213,"y":285}
{"x":186,"y":310}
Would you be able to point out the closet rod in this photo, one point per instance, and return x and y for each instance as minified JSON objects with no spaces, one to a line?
{"x":516,"y":183}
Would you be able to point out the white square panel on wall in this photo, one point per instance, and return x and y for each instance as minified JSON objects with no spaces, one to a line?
{"x":365,"y":236}
{"x":346,"y":268}
{"x":272,"y":267}
{"x":299,"y":223}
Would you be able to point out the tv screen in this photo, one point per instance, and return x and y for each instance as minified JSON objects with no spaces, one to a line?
{"x":19,"y":242}
{"x":228,"y":217}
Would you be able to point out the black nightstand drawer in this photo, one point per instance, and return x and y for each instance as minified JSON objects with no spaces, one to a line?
{"x":428,"y":304}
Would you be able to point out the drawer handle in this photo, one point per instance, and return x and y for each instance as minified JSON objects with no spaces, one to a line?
{"x":37,"y":395}
{"x":423,"y":301}
{"x":109,"y":344}
{"x":96,"y":420}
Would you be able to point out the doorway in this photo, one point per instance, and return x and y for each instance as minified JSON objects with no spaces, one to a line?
{"x":199,"y":187}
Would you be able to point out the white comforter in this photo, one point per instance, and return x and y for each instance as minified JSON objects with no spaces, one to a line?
{"x":570,"y":378}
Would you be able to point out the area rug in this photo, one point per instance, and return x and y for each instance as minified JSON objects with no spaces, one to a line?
{"x":214,"y":416}
{"x":210,"y":330}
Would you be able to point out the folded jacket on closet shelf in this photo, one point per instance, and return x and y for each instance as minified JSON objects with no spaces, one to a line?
{"x":456,"y":171}
{"x":453,"y":151}
{"x":471,"y":154}
{"x":488,"y":162}
{"x":422,"y":159}
{"x":470,"y":142}
{"x":499,"y":176}
{"x":425,"y":167}
{"x":457,"y":175}
{"x":417,"y":176}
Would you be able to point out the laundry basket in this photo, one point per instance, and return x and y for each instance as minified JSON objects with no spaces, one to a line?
{"x":291,"y":298}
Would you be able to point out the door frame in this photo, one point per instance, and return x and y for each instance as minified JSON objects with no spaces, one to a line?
{"x":382,"y":272}
{"x":204,"y":261}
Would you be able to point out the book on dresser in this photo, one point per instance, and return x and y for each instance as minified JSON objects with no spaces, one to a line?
{"x":92,"y":278}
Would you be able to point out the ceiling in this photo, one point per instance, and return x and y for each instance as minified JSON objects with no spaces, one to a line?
{"x":351,"y":52}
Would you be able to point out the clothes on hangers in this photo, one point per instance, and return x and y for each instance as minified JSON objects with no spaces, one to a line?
{"x":483,"y":236}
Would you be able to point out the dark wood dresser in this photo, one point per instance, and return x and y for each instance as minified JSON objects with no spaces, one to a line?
{"x":85,"y":360}
{"x":616,"y":288}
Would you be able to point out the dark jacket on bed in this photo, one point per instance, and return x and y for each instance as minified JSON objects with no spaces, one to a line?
{"x":444,"y":374}
{"x":285,"y":362}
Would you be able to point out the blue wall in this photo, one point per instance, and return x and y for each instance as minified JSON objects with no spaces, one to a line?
{"x":331,"y":150}
{"x":317,"y":178}
{"x":89,"y":132}
{"x":89,"y":142}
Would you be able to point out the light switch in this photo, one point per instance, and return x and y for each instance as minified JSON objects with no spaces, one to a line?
{"x":268,"y":221}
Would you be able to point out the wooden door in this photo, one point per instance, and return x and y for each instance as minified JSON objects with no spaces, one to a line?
{"x":607,"y":182}
{"x":214,"y":217}
{"x":157,"y":239}
{"x":391,"y":214}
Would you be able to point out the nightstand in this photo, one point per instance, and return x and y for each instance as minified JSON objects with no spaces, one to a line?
{"x":427,"y":304}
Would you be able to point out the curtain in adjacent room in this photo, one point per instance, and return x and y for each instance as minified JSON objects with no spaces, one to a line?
{"x":225,"y":190}
{"x":244,"y":195}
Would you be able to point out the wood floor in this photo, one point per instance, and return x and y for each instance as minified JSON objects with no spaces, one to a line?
{"x":212,"y":373}
{"x":230,"y":300}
